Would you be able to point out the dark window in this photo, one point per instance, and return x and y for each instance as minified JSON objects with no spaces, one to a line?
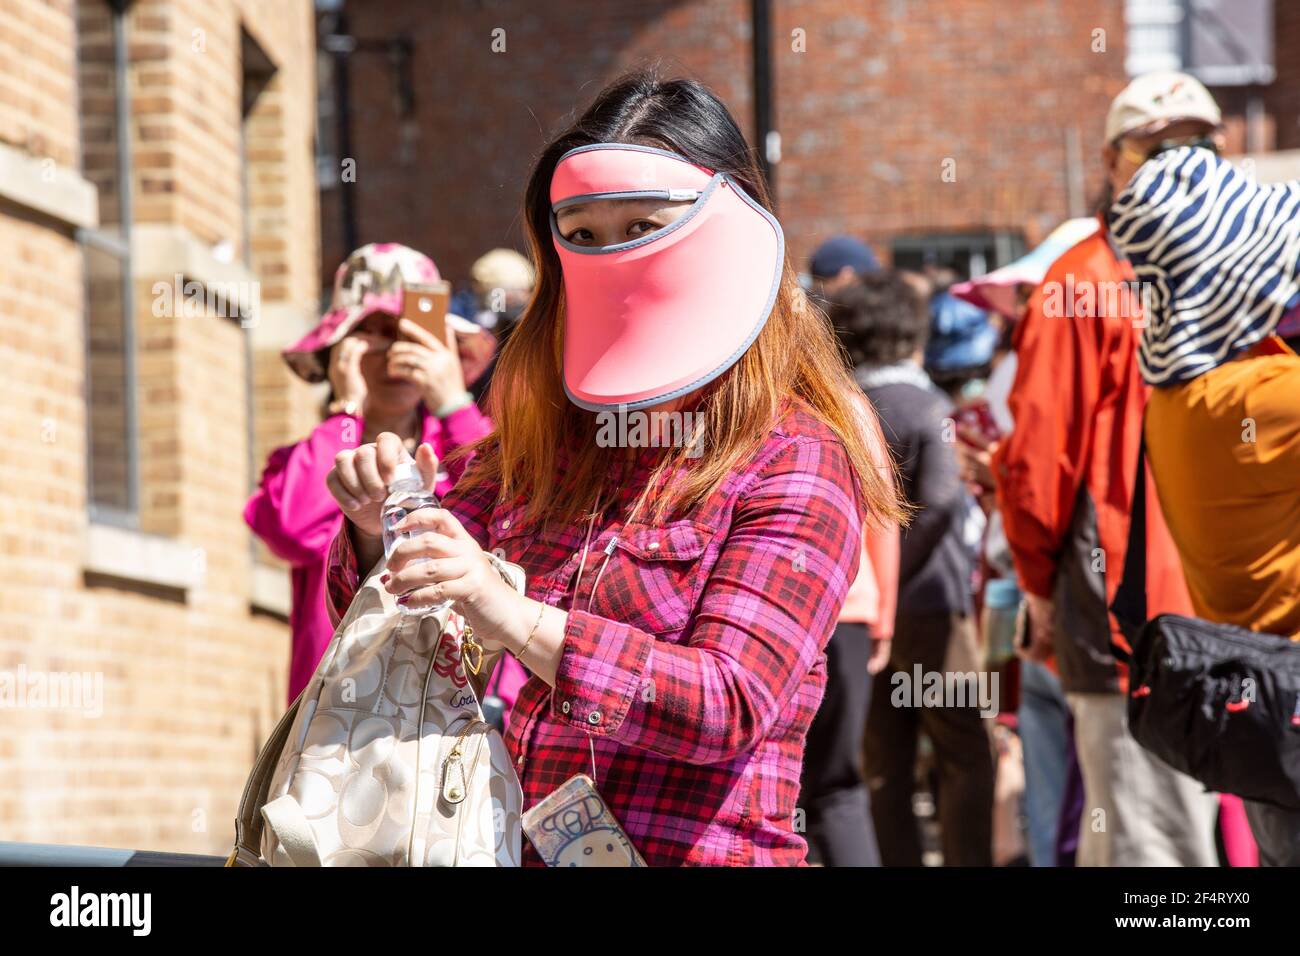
{"x":110,"y":347}
{"x":969,"y":254}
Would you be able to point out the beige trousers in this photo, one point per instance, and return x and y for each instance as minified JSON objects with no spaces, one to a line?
{"x":1137,"y":810}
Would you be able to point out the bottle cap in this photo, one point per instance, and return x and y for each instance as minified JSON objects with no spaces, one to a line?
{"x":405,"y":473}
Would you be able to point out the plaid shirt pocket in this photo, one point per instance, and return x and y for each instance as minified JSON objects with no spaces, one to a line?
{"x":509,"y":537}
{"x":655,"y":576}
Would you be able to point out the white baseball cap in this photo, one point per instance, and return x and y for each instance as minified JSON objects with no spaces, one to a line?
{"x":503,"y":269}
{"x":1160,"y":97}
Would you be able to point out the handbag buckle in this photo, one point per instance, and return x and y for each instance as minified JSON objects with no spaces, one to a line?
{"x":471,"y":651}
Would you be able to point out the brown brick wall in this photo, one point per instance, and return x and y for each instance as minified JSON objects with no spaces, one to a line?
{"x":192,"y":684}
{"x":1284,"y":96}
{"x":886,"y":90}
{"x":450,"y":181}
{"x":36,"y":79}
{"x":1280,"y":124}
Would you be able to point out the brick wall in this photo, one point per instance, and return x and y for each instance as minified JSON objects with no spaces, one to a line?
{"x":38,"y":90}
{"x":883,"y":93}
{"x":449,"y":180}
{"x":192,"y":679}
{"x":888,"y":92}
{"x":1283,"y":98}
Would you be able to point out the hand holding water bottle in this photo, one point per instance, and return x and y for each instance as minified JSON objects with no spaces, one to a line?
{"x":438,"y":560}
{"x":360,"y":477}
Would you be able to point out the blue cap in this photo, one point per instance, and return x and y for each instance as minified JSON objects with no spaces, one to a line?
{"x":836,"y":253}
{"x":961,"y":335}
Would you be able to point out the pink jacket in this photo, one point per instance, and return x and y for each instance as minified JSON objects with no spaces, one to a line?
{"x":294,"y":513}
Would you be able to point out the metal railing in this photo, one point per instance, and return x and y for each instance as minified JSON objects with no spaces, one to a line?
{"x":51,"y":854}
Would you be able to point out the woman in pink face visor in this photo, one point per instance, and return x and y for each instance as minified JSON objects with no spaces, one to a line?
{"x":680,"y":469}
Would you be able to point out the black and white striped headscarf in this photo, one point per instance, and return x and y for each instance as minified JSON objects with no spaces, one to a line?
{"x":1218,"y":255}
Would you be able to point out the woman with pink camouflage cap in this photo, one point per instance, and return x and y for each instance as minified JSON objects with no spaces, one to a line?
{"x":386,"y":374}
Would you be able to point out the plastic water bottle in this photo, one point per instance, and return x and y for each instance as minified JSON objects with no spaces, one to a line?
{"x":406,"y":493}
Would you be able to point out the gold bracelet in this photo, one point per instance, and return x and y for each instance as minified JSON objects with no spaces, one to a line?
{"x":519,"y":654}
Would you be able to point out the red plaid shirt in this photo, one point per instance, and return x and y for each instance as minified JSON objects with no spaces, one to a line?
{"x":700,"y":663}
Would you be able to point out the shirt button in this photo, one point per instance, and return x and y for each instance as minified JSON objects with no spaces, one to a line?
{"x":520,"y":762}
{"x":565,"y":707}
{"x":505,"y":525}
{"x":653,"y":545}
{"x":593,"y":717}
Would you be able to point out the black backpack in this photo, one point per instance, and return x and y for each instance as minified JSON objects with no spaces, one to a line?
{"x":1217,"y":702}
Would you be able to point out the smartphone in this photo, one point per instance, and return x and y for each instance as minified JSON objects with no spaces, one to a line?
{"x":1021,"y":640}
{"x":426,"y":304}
{"x":978,"y":417}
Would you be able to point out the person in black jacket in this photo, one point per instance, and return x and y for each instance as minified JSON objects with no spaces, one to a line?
{"x":882,"y":322}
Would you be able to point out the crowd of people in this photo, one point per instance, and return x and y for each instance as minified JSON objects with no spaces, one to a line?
{"x":906,"y":476}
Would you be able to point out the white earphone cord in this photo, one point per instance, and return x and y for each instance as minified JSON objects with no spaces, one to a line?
{"x":582,"y":564}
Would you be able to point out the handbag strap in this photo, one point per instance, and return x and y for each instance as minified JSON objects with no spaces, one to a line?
{"x":248,"y":822}
{"x":1130,"y":604}
{"x":292,"y":830}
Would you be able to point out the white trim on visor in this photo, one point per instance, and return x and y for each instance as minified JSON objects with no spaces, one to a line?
{"x":702,"y":196}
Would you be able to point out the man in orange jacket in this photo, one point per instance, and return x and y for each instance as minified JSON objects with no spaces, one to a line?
{"x":1065,"y":487}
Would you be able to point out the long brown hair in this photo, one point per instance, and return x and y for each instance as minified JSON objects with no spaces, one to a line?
{"x":796,"y":355}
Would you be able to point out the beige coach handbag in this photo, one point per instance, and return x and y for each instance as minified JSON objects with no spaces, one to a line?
{"x":384,"y":759}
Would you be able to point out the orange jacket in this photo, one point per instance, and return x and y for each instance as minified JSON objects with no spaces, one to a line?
{"x":1065,"y":474}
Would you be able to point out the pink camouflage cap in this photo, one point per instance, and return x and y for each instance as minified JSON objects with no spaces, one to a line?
{"x":370,"y":280}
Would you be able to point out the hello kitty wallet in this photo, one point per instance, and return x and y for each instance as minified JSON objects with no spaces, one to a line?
{"x":573,"y":827}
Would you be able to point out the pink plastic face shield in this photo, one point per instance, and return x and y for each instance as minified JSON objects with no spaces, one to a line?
{"x":659,"y":316}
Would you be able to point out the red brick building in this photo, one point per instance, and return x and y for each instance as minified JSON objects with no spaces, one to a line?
{"x":873,"y":99}
{"x":143,"y":639}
